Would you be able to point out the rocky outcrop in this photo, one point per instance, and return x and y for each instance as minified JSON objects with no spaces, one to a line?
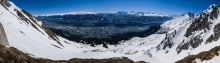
{"x":193,"y":37}
{"x":216,"y":35}
{"x":202,"y":23}
{"x":172,"y":28}
{"x":5,"y":3}
{"x":207,"y":55}
{"x":3,"y":37}
{"x":33,"y":22}
{"x":194,"y":42}
{"x":199,"y":26}
{"x":167,"y":42}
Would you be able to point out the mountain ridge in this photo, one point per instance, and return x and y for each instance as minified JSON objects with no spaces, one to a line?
{"x":119,"y":12}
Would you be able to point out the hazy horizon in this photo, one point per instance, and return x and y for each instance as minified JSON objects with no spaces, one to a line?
{"x":174,"y":7}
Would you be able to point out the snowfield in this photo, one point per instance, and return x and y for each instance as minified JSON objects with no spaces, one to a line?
{"x":26,"y":38}
{"x":38,"y":43}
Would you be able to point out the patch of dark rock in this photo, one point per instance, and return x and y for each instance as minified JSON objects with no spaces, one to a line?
{"x":182,"y":46}
{"x":45,"y":28}
{"x":66,"y":42}
{"x":214,"y":13}
{"x":194,"y":43}
{"x":216,"y":35}
{"x":51,"y":34}
{"x":206,"y":55}
{"x":31,"y":17}
{"x":130,"y":53}
{"x":22,"y":32}
{"x":167,"y":42}
{"x":56,"y":46}
{"x":5,"y":4}
{"x":202,"y":22}
{"x":21,"y":16}
{"x":198,"y":24}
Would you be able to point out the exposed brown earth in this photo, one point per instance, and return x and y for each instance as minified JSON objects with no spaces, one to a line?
{"x":12,"y":55}
{"x":207,"y":55}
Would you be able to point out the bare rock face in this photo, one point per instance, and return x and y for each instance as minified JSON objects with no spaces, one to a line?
{"x":5,"y":2}
{"x":3,"y":37}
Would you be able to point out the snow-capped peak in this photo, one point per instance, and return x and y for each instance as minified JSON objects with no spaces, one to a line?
{"x":119,"y":13}
{"x":189,"y":14}
{"x":176,"y":22}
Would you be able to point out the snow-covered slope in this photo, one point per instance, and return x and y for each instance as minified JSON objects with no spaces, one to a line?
{"x":186,"y":35}
{"x":178,"y":38}
{"x":29,"y":35}
{"x":176,"y":22}
{"x":192,"y":36}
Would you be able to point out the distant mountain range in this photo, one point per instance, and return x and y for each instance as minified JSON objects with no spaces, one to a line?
{"x":120,"y":13}
{"x":104,"y":28}
{"x":118,"y":19}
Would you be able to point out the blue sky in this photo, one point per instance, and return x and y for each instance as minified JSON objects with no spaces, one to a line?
{"x":177,"y":7}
